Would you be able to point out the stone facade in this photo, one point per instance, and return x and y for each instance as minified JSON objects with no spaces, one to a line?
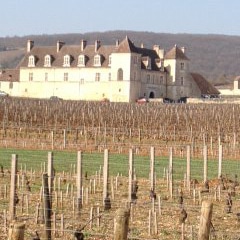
{"x":119,"y":73}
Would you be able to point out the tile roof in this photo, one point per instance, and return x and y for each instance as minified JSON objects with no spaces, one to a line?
{"x":126,"y":46}
{"x":10,"y":75}
{"x":204,"y":86}
{"x":176,"y":53}
{"x":73,"y":51}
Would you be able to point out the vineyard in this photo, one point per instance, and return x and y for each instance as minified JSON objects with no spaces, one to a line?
{"x":159,"y":161}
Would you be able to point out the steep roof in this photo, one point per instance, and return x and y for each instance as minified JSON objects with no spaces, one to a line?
{"x":175,"y":53}
{"x":89,"y":51}
{"x":10,"y":75}
{"x":204,"y":86}
{"x":126,"y":46}
{"x":73,"y":50}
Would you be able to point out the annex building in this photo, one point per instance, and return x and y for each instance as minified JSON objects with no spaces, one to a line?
{"x":121,"y":72}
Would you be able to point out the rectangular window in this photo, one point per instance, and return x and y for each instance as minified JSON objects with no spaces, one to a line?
{"x":109,"y":77}
{"x":148,"y":78}
{"x":97,"y":77}
{"x":30,"y":77}
{"x":135,"y":60}
{"x":161,"y":80}
{"x":134,"y":76}
{"x":182,"y":66}
{"x":65,"y":77}
{"x":82,"y":81}
{"x":46,"y":77}
{"x":182,"y":81}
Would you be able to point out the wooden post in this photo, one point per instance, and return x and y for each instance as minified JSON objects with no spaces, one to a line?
{"x":152,"y":163}
{"x":130,"y":177}
{"x":188,"y":168}
{"x":205,"y":220}
{"x":50,"y":175}
{"x":16,"y":231}
{"x":121,"y":223}
{"x":205,"y":163}
{"x":170,"y":172}
{"x":220,"y":155}
{"x":52,"y":138}
{"x":46,"y":207}
{"x":64,"y":138}
{"x":62,"y":224}
{"x":79,"y":181}
{"x":106,"y":199}
{"x":13,"y":194}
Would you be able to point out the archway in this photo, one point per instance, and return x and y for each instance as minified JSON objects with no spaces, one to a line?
{"x":151,"y":95}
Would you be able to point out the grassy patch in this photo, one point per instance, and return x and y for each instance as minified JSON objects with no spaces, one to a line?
{"x":118,"y":163}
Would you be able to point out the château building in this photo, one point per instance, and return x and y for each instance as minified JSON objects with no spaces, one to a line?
{"x":121,"y":72}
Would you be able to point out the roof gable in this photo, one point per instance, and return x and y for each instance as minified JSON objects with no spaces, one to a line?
{"x":176,"y":53}
{"x":126,"y":46}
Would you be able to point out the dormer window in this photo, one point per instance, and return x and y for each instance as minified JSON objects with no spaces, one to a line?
{"x":81,"y":60}
{"x":147,"y":62}
{"x":47,"y":61}
{"x":31,"y":61}
{"x":66,"y":61}
{"x":97,"y":61}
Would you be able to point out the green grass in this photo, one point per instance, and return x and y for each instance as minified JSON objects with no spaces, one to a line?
{"x":118,"y":163}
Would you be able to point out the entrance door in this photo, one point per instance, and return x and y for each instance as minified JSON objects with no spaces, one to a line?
{"x":151,"y":95}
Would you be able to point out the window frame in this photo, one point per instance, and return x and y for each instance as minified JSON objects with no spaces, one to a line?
{"x":66,"y":61}
{"x":31,"y":61}
{"x":30,"y":76}
{"x":46,"y":77}
{"x":97,"y":77}
{"x":81,"y":60}
{"x":120,"y":74}
{"x":65,"y":76}
{"x":182,"y":65}
{"x":47,"y":61}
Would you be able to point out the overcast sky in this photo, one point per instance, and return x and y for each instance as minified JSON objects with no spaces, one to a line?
{"x":31,"y":17}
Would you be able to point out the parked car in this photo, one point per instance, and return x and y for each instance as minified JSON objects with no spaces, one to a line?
{"x":55,"y":98}
{"x":142,"y":100}
{"x":3,"y":94}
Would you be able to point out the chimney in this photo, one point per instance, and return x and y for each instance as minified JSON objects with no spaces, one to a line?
{"x":97,"y":45}
{"x":83,"y":44}
{"x":183,"y":49}
{"x":59,"y":45}
{"x":30,"y":45}
{"x":159,"y":51}
{"x":117,"y":43}
{"x":162,"y":64}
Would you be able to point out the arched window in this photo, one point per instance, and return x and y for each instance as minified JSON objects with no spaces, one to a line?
{"x":97,"y":60}
{"x":47,"y":61}
{"x":66,"y":61}
{"x":120,"y":74}
{"x":31,"y":61}
{"x":81,"y":60}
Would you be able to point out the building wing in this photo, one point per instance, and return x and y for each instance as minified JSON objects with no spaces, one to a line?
{"x":205,"y":87}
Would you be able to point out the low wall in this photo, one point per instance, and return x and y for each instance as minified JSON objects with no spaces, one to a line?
{"x":214,"y":100}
